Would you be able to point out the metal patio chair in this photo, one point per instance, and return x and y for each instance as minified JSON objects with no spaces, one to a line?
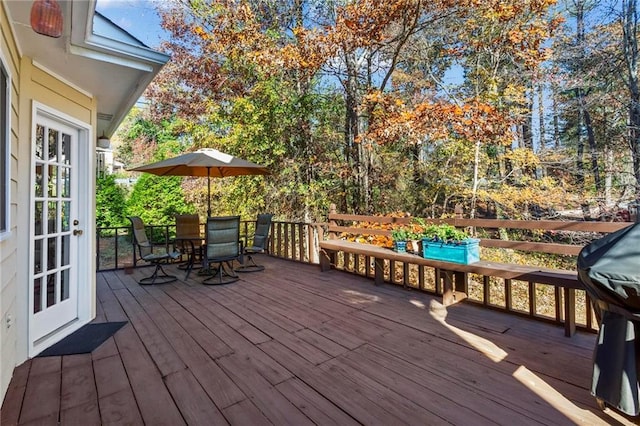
{"x":152,"y":254}
{"x":189,"y":241}
{"x":260,"y":244}
{"x":222,"y":247}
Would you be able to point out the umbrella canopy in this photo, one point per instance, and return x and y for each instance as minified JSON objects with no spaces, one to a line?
{"x":204,"y":162}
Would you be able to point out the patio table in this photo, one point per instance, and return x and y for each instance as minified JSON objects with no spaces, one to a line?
{"x":192,"y":246}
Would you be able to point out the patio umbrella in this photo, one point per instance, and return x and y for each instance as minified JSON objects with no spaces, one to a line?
{"x":204,"y":162}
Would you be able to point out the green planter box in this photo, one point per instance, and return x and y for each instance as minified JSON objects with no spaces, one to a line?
{"x":465,"y":252}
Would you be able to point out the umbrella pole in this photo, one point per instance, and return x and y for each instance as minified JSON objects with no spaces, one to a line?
{"x":208,"y":191}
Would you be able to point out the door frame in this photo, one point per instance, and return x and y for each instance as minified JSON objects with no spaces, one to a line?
{"x":85,"y":259}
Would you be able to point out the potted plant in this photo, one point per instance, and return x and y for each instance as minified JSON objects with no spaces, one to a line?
{"x":414,"y":238}
{"x":415,"y":234}
{"x":448,"y":243}
{"x":399,"y":236}
{"x":444,"y":232}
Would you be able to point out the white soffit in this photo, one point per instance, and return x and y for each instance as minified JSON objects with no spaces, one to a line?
{"x":104,"y":61}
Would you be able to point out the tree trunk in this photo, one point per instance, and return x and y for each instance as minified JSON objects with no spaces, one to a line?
{"x":630,"y":46}
{"x":593,"y":148}
{"x":542,"y":141}
{"x":352,"y":151}
{"x":608,"y":174}
{"x":474,"y":191}
{"x":527,"y":135}
{"x":634,"y":139}
{"x":580,"y":147}
{"x":579,"y":93}
{"x":556,"y":119}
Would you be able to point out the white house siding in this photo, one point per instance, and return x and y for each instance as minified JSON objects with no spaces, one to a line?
{"x":9,"y":281}
{"x":29,"y":83}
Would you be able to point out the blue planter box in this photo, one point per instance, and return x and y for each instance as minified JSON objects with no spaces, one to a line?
{"x":465,"y":252}
{"x":400,"y":246}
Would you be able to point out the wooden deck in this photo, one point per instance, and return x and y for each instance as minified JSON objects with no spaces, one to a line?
{"x":291,"y":345}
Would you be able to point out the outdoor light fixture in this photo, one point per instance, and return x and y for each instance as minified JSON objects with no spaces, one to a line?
{"x":104,"y":142}
{"x":46,"y":18}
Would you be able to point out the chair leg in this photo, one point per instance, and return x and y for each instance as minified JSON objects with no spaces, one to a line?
{"x":190,"y":264}
{"x":224,"y":274}
{"x":249,"y":265}
{"x":159,"y":276}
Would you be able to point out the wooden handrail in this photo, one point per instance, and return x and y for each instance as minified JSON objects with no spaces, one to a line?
{"x":335,"y":229}
{"x":546,"y":225}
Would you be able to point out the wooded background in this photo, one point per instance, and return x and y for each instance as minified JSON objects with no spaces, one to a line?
{"x":510,"y":108}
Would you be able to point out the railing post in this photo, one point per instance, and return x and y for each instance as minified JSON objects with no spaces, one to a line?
{"x":279,"y":233}
{"x":133,"y":246}
{"x":317,"y":230}
{"x":310,"y":243}
{"x":273,"y":238}
{"x":332,"y":210}
{"x":458,"y":210}
{"x":116,"y":251}
{"x":569,"y":311}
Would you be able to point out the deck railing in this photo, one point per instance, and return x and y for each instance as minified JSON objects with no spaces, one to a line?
{"x":297,"y":241}
{"x":549,"y":244}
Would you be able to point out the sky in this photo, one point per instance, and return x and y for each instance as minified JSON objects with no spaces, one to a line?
{"x":138,"y":17}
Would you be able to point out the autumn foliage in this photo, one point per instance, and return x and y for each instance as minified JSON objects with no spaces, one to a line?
{"x":379,"y":239}
{"x":348,"y":101}
{"x":473,"y":120}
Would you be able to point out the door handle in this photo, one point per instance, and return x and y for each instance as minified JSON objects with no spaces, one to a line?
{"x":77,"y":232}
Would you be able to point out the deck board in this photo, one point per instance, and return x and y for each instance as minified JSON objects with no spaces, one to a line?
{"x":291,"y":345}
{"x":245,"y":413}
{"x":446,"y":398}
{"x":78,"y":384}
{"x":229,"y":327}
{"x":120,"y":409}
{"x":110,"y":376}
{"x":185,"y":323}
{"x":12,"y":405}
{"x":87,"y":414}
{"x":192,"y":400}
{"x":149,"y":331}
{"x":312,"y":404}
{"x":41,"y":398}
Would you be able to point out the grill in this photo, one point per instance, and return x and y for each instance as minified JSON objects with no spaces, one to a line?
{"x":609,"y":269}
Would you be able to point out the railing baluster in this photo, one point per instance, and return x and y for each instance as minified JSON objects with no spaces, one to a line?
{"x":558,"y":303}
{"x":116,"y":248}
{"x":532,"y":299}
{"x":486,"y":289}
{"x":508,"y":302}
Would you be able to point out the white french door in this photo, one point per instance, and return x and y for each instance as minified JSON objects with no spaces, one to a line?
{"x":53,"y":291}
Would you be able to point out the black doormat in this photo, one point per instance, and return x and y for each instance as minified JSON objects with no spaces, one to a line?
{"x":85,"y":340}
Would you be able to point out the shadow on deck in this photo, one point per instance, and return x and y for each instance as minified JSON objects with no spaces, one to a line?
{"x":290,"y":345}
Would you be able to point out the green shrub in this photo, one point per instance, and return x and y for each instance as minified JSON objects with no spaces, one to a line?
{"x":110,"y":203}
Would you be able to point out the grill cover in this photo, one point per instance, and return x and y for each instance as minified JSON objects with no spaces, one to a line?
{"x":609,"y":269}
